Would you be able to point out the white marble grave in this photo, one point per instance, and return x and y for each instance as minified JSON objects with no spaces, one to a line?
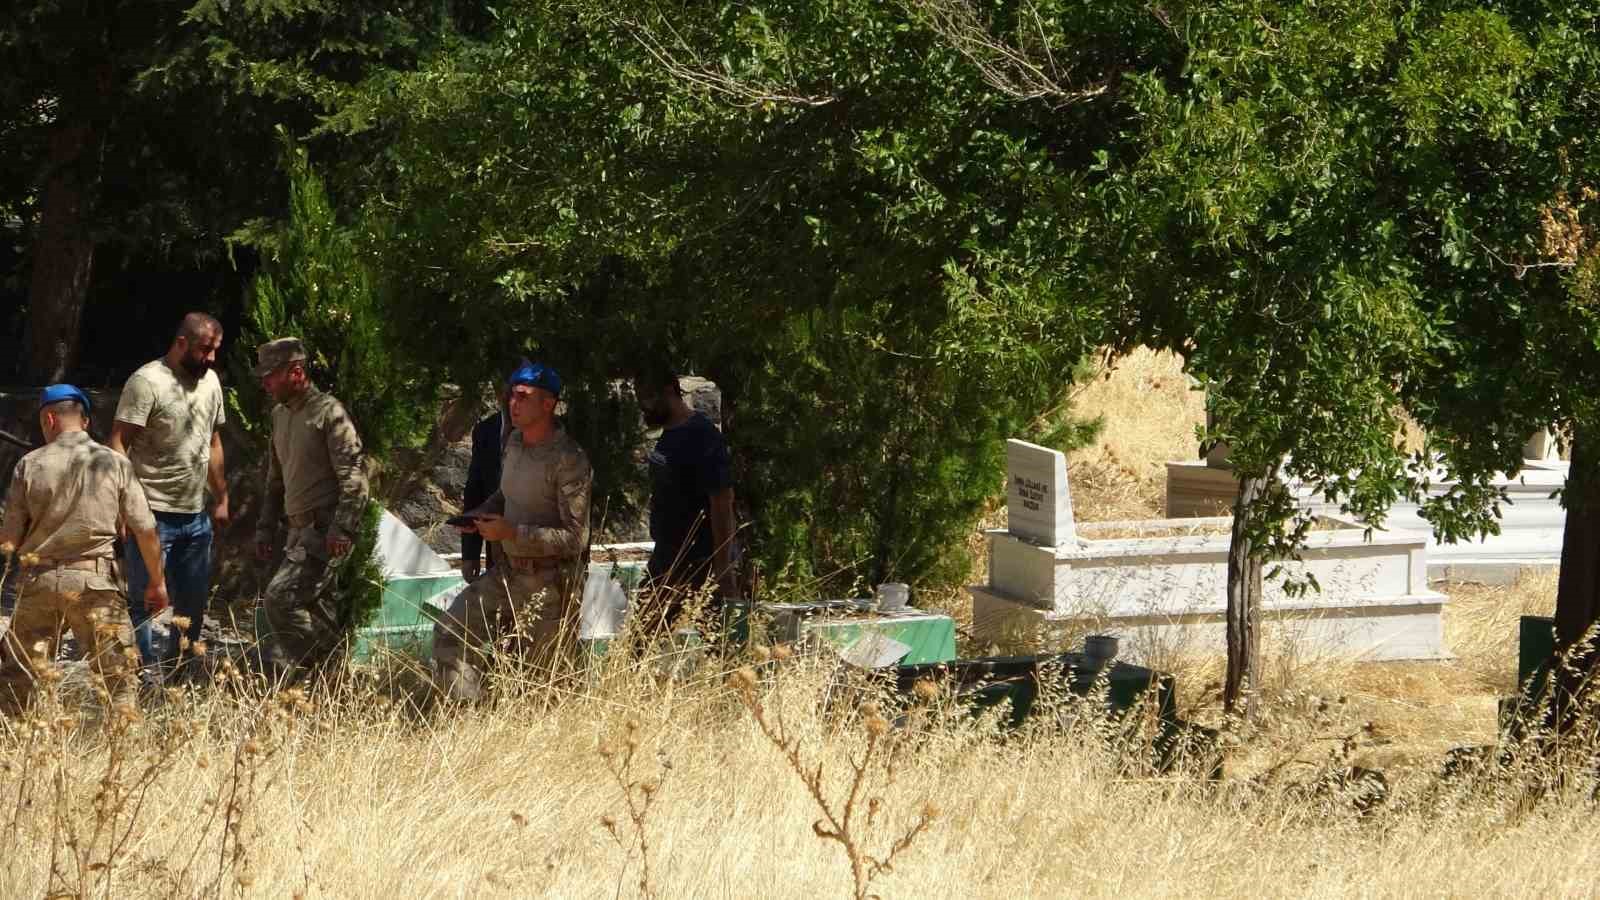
{"x":403,"y":554}
{"x":1161,"y":584}
{"x":1531,"y":524}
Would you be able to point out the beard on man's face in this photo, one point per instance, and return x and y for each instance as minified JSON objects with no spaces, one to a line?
{"x":654,"y":416}
{"x":197,"y":368}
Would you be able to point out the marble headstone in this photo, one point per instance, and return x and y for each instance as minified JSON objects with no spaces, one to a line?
{"x":1541,"y":447}
{"x":1038,"y":503}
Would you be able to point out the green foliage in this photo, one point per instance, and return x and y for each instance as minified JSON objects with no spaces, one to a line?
{"x":155,"y":120}
{"x":803,"y":225}
{"x":1248,"y":193}
{"x":903,"y":453}
{"x":1491,"y":186}
{"x":890,"y":231}
{"x":313,"y":284}
{"x":357,"y":587}
{"x":184,"y":96}
{"x":1465,"y":68}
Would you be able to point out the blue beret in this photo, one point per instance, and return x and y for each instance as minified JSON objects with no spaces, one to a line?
{"x":56,"y":393}
{"x":536,"y":375}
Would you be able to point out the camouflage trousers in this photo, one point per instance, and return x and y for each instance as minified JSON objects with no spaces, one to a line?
{"x":52,"y":601}
{"x":539,"y":607}
{"x":303,"y":628}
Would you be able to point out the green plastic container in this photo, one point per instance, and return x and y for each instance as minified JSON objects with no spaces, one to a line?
{"x":932,"y":639}
{"x":404,"y":623}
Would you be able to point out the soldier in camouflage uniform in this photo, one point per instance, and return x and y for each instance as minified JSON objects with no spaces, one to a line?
{"x":315,"y":481}
{"x":63,"y":510}
{"x":540,"y":517}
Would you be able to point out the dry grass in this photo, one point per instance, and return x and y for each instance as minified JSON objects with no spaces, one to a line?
{"x":1152,"y":529}
{"x":1149,"y":414}
{"x":360,"y":797}
{"x":1481,"y":626}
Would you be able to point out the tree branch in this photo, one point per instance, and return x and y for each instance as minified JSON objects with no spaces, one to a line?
{"x":680,"y":62}
{"x":1017,"y":71}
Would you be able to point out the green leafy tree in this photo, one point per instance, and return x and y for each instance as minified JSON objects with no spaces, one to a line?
{"x":1296,"y":309}
{"x":315,"y":285}
{"x":1233,"y":207}
{"x":1494,"y":184}
{"x":789,"y":199}
{"x":144,"y":130}
{"x":1377,"y":207}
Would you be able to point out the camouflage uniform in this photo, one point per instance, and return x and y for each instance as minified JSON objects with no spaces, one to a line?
{"x":544,"y":491}
{"x":315,"y":480}
{"x":63,"y":507}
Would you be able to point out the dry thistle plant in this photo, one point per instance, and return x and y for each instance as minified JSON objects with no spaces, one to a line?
{"x":524,"y":671}
{"x":92,"y":810}
{"x":87,"y":793}
{"x":847,"y":821}
{"x":639,"y":794}
{"x":95,"y":801}
{"x":257,"y":727}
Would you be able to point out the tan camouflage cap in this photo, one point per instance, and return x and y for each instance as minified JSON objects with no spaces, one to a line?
{"x":275,"y":354}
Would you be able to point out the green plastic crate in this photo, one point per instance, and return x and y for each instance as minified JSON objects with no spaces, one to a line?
{"x":932,"y":639}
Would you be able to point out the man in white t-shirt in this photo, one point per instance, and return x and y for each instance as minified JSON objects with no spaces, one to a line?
{"x":167,"y":423}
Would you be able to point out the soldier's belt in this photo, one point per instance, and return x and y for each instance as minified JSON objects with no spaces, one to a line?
{"x":100,"y":564}
{"x":535,"y":563}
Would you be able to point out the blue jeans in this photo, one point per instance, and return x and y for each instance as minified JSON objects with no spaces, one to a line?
{"x":186,"y":555}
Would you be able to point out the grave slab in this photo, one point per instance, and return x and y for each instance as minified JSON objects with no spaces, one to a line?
{"x":1160,"y":583}
{"x":1531,"y":526}
{"x":905,"y":636}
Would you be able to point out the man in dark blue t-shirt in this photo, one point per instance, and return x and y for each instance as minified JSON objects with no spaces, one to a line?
{"x":691,"y":505}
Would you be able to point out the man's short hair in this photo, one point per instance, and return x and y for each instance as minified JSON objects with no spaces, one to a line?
{"x":653,"y":379}
{"x":65,"y":408}
{"x":197,"y":325}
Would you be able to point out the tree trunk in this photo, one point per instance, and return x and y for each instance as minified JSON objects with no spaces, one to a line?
{"x":456,"y":420}
{"x":1244,"y":597}
{"x":63,"y":256}
{"x":1578,"y":590}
